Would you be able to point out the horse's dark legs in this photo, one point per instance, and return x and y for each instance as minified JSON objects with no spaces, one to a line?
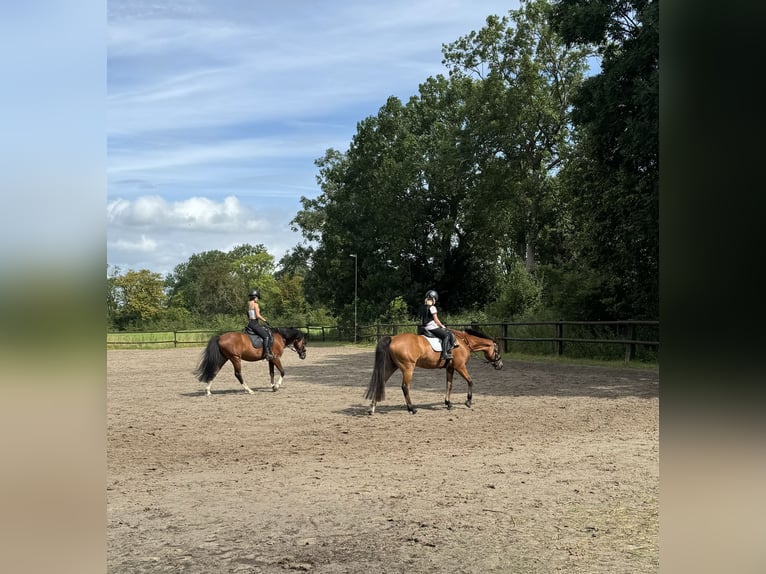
{"x":238,"y":373}
{"x":406,"y":380}
{"x":276,"y":362}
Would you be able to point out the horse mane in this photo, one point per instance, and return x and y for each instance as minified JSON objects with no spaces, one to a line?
{"x":289,"y":333}
{"x":479,"y":334}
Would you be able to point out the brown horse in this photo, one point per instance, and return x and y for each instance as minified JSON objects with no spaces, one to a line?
{"x":407,"y":351}
{"x":236,"y":347}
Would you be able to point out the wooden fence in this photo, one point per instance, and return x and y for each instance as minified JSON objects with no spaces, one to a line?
{"x":630,"y":334}
{"x":623,"y":333}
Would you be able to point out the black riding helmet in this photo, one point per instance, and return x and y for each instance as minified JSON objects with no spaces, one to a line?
{"x":254,"y":293}
{"x":432,"y":295}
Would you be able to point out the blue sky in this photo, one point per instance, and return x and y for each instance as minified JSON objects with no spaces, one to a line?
{"x":216,"y":110}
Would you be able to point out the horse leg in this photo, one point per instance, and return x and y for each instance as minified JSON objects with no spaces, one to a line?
{"x":238,"y":373}
{"x":210,"y":384}
{"x":448,"y":390}
{"x":463,"y":372}
{"x":406,"y":380}
{"x":276,"y":362}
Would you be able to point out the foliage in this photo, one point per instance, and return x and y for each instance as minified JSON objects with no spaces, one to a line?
{"x":214,"y":282}
{"x":519,"y":294}
{"x":613,"y":181}
{"x":514,"y":186}
{"x":397,"y":312}
{"x":135,"y":297}
{"x":435,"y":192}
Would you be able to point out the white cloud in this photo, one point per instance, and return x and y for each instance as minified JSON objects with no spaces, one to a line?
{"x":219,"y":109}
{"x":144,"y":244}
{"x":193,"y":214}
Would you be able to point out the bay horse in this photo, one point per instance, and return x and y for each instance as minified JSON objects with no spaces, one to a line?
{"x":236,"y":346}
{"x":407,"y":351}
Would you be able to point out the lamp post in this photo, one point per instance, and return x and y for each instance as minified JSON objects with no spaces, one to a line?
{"x":355,"y":284}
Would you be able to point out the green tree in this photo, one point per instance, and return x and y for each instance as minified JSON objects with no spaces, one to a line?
{"x":139,"y":296}
{"x":112,"y":296}
{"x":520,"y":125}
{"x":613,"y":180}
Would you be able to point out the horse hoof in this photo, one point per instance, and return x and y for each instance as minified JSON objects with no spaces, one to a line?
{"x":468,"y":404}
{"x":448,"y":405}
{"x":413,"y":411}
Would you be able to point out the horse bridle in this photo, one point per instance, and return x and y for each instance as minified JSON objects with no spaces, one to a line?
{"x":495,"y":358}
{"x":293,"y":349}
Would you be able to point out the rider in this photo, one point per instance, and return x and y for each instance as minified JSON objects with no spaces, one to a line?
{"x":430,"y":322}
{"x":253,"y":316}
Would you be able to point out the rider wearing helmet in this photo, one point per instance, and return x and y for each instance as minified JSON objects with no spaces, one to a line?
{"x":253,"y":316}
{"x":430,"y":321}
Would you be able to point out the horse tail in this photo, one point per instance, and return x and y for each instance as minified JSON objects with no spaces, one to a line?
{"x":211,"y":361}
{"x":382,"y":370}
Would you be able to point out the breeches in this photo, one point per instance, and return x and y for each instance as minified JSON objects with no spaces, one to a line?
{"x":262,"y":331}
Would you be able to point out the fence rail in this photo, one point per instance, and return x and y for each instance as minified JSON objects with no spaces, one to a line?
{"x":630,"y":334}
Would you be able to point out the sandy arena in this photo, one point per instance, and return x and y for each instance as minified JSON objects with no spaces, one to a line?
{"x":555,"y":468}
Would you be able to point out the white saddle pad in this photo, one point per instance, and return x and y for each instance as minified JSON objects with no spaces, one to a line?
{"x":436,"y":342}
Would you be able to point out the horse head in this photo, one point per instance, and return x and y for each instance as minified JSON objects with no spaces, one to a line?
{"x":495,"y":360}
{"x":300,"y":347}
{"x":295,"y":339}
{"x":489,"y":346}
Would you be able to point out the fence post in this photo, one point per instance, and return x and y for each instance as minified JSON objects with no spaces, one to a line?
{"x":505,"y":337}
{"x":630,"y":348}
{"x":175,"y":339}
{"x":559,"y":335}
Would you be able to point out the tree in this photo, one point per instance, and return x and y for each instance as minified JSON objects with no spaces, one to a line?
{"x":431,"y":194}
{"x":613,"y":182}
{"x":138,"y":296}
{"x":520,"y":120}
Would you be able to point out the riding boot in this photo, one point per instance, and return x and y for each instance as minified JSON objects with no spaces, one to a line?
{"x":267,"y":348}
{"x":454,"y":341}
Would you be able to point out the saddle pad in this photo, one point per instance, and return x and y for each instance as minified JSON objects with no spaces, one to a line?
{"x":255,"y":339}
{"x":436,"y":343}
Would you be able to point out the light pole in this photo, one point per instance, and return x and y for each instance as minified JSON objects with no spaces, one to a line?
{"x":355,"y":284}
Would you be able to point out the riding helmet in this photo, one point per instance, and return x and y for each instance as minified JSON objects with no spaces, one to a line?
{"x":432,"y":295}
{"x":254,"y":293}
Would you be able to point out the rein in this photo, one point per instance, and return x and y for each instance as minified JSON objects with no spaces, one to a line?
{"x":471,"y":349}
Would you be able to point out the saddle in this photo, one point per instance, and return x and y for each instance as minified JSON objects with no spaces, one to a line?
{"x":255,"y":338}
